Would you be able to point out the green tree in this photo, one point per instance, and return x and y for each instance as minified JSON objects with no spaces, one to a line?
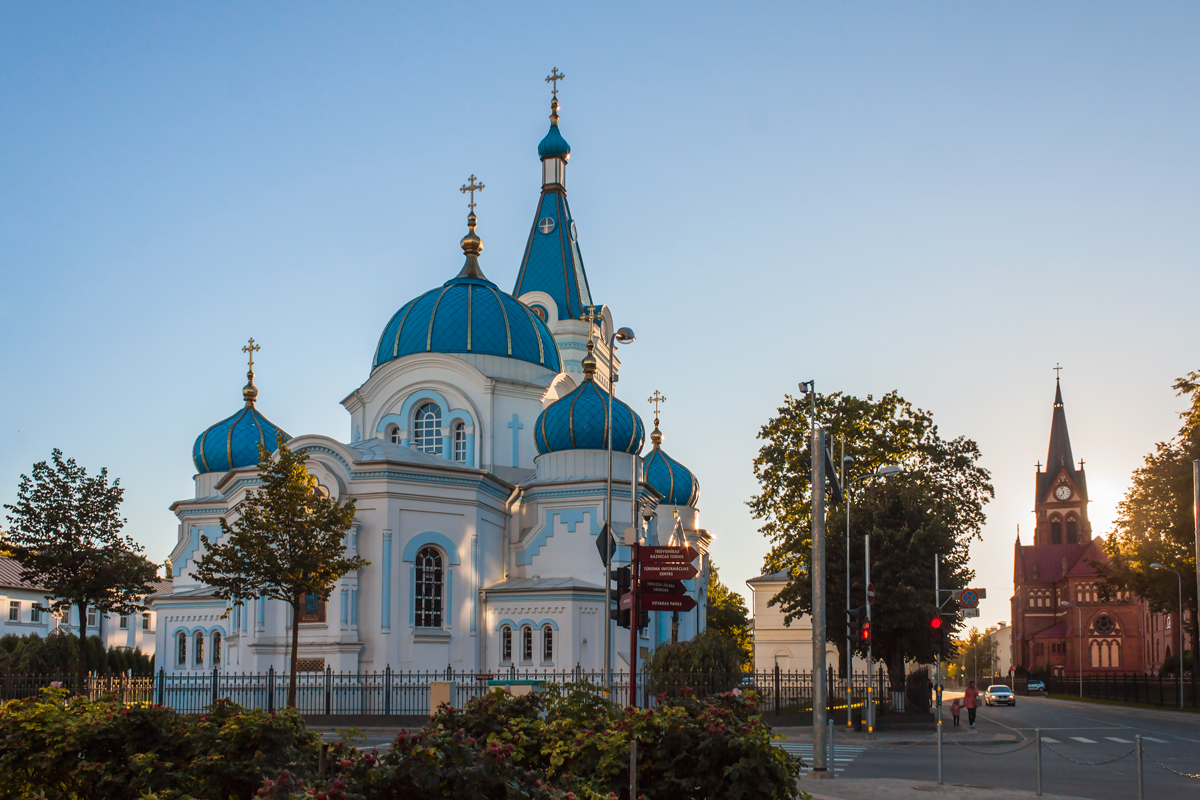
{"x":1155,"y":522}
{"x":933,"y":507}
{"x":727,"y":615}
{"x":975,"y":657}
{"x":65,"y":532}
{"x":287,"y":543}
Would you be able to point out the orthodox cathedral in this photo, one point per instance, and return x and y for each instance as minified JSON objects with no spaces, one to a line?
{"x":478,"y":457}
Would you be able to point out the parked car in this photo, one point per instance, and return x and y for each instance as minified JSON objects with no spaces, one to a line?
{"x":1036,"y":686}
{"x":999,"y":695}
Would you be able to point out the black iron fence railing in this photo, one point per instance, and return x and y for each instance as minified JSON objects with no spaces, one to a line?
{"x":396,"y":692}
{"x":1130,"y":687}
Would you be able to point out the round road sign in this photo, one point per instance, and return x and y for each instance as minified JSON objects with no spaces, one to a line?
{"x":969,"y":598}
{"x":870,"y":594}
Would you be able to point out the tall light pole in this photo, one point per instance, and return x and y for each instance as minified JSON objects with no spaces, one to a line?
{"x":1179,"y":627}
{"x":879,"y":473}
{"x":1080,"y":610}
{"x":624,"y":336}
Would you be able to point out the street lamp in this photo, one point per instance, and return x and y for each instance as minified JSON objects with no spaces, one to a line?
{"x":1179,"y":650}
{"x":889,"y":469}
{"x":624,"y":336}
{"x":1080,"y":610}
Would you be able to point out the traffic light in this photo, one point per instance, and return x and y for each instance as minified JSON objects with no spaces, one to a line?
{"x":855,"y":618}
{"x":940,"y":629}
{"x":865,"y":633}
{"x":624,"y":580}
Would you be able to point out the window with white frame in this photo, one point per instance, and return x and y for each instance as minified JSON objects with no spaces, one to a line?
{"x":526,"y":644}
{"x":198,"y":649}
{"x":92,"y":618}
{"x":14,"y":610}
{"x":124,"y":622}
{"x":460,"y":442}
{"x":547,"y":643}
{"x":427,"y":429}
{"x":427,"y":593}
{"x":146,"y":621}
{"x":393,"y":434}
{"x":181,"y":649}
{"x":506,"y":644}
{"x":35,"y":613}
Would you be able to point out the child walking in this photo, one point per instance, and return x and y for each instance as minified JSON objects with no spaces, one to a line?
{"x":955,"y":709}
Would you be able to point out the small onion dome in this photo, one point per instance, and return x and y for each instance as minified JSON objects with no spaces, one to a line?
{"x":578,"y":421}
{"x":672,"y":480}
{"x":233,"y":442}
{"x":553,"y":144}
{"x":468,"y":314}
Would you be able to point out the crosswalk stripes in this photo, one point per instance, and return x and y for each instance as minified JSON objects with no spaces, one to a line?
{"x":1048,"y":740}
{"x":1084,"y":739}
{"x":843,"y":754}
{"x":1152,"y":739}
{"x":1118,"y":739}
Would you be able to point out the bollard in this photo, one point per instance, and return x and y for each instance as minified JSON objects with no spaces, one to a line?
{"x":633,"y":769}
{"x":1141,"y":788}
{"x":939,"y":746}
{"x":832,"y":764}
{"x":1038,"y":734}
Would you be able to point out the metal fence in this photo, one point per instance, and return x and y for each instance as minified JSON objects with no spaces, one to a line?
{"x":395,"y":692}
{"x":1130,"y":687}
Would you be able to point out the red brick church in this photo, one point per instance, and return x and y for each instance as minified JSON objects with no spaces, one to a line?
{"x":1056,"y":568}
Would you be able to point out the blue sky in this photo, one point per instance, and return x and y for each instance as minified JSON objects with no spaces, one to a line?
{"x":940,"y":198}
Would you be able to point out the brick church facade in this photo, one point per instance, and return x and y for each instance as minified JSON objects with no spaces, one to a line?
{"x":1056,"y":567}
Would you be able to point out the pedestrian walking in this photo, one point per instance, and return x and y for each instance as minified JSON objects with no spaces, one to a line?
{"x":955,"y":708}
{"x":971,"y":701}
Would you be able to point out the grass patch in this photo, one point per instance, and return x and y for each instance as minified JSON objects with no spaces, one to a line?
{"x":1124,"y":703}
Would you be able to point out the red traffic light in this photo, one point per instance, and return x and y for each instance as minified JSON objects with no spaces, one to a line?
{"x":935,"y":623}
{"x":866,"y":631}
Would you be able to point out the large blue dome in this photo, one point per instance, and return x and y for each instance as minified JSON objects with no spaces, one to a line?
{"x":468,"y":314}
{"x":673,"y":480}
{"x":233,"y":442}
{"x":578,"y":421}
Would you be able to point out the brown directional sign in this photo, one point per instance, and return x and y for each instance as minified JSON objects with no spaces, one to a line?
{"x":670,"y":571}
{"x":660,"y":603}
{"x":660,"y":555}
{"x":662,"y":588}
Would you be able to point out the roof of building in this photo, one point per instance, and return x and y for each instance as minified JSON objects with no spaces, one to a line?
{"x":540,"y":584}
{"x":161,"y":587}
{"x":770,"y":577}
{"x":468,"y":314}
{"x":674,"y":481}
{"x":1049,"y":560}
{"x":233,"y":442}
{"x":579,"y":421}
{"x":1058,"y":455}
{"x":553,"y":145}
{"x":11,"y":575}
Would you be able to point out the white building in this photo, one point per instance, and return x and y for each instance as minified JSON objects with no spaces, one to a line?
{"x":779,"y":644}
{"x":476,"y":452}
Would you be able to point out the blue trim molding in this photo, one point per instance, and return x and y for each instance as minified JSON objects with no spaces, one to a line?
{"x":431,"y":537}
{"x":571,"y":517}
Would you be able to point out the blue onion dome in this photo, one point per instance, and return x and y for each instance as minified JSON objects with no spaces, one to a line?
{"x":672,"y":480}
{"x":579,"y":420}
{"x":468,"y":314}
{"x":233,"y":442}
{"x":553,"y":144}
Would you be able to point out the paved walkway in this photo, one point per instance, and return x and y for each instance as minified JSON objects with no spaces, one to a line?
{"x":895,"y":789}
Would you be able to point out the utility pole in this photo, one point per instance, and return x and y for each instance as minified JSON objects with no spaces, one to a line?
{"x":937,"y":599}
{"x":820,"y":712}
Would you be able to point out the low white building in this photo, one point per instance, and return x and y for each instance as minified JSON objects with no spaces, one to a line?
{"x":999,"y":638}
{"x":779,"y":644}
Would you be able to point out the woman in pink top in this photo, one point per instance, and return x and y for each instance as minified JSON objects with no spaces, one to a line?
{"x":971,"y":701}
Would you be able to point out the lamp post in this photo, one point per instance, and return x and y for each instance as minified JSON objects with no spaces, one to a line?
{"x":1080,"y":610}
{"x":890,"y":469}
{"x":1179,"y":627}
{"x":624,"y":336}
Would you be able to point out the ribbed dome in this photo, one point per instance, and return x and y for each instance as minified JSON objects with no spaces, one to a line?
{"x":673,"y":480}
{"x":553,"y":144}
{"x":233,"y":442}
{"x":578,"y":422}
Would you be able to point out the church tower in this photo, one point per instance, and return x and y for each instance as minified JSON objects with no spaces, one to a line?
{"x":1061,"y":501}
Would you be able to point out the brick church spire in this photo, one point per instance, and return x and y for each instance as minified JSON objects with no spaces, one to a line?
{"x":1061,"y":502}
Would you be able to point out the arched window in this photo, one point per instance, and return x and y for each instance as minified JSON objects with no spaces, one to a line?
{"x":1056,"y":532}
{"x":393,"y":434}
{"x":428,"y":594}
{"x":547,"y":643}
{"x":216,"y":648}
{"x":506,"y":644}
{"x":460,"y":442}
{"x":1072,"y":531}
{"x":526,"y":644}
{"x":198,"y":649}
{"x":181,"y":649}
{"x":427,"y":429}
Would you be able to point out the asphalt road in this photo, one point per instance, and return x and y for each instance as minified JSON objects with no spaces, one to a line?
{"x":1084,"y":732}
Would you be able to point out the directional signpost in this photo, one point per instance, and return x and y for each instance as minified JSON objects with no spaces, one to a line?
{"x":659,"y":573}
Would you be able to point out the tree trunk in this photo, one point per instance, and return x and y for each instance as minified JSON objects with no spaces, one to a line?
{"x":291,"y":701}
{"x":82,"y":687}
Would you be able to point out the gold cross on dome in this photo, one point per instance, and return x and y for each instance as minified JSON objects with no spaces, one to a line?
{"x":591,"y":316}
{"x":553,"y":78}
{"x":656,"y":398}
{"x":251,"y":348}
{"x":472,"y":187}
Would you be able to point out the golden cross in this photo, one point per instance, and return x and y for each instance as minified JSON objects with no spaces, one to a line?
{"x":472,"y":187}
{"x":251,"y":348}
{"x":656,"y":398}
{"x":553,"y":78}
{"x":591,"y":316}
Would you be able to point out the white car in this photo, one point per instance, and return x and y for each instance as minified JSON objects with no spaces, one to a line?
{"x":999,"y":695}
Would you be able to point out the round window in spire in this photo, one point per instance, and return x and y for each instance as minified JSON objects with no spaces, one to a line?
{"x":546,"y":224}
{"x":574,"y":233}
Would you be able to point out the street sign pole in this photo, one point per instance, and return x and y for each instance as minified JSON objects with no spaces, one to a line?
{"x":634,"y":581}
{"x":820,"y":712}
{"x":870,"y":641}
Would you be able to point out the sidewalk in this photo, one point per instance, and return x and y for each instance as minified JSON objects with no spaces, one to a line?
{"x":895,"y":789}
{"x":905,"y":737}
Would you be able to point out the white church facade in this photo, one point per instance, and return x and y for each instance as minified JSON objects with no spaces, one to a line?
{"x":477,"y":457}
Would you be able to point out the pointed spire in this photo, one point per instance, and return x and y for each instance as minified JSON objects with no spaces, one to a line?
{"x":471,"y":244}
{"x":1059,"y":454}
{"x":656,"y":435}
